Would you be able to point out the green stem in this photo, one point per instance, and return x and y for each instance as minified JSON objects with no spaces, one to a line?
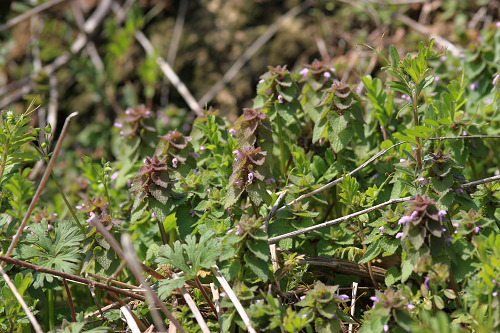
{"x":415,"y":122}
{"x":50,"y":305}
{"x":71,"y":210}
{"x":105,"y":189}
{"x":282,"y":146}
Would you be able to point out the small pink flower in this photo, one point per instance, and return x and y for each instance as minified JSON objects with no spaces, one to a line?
{"x":174,"y":162}
{"x":410,"y":306}
{"x":327,"y":75}
{"x":441,"y":214}
{"x":423,"y":181}
{"x":381,"y":230}
{"x":280,"y":99}
{"x":239,"y":155}
{"x":442,"y":58}
{"x":405,"y":220}
{"x":304,"y":73}
{"x":117,"y":125}
{"x":114,"y":175}
{"x":232,"y":131}
{"x":202,"y":148}
{"x":250,"y":177}
{"x":269,"y":181}
{"x":399,"y":235}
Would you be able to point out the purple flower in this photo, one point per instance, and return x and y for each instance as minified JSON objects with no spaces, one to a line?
{"x":238,"y":183}
{"x":302,"y":297}
{"x":114,"y":175}
{"x":381,"y":230}
{"x":195,"y":155}
{"x":49,"y":227}
{"x":386,"y":328}
{"x":441,"y":214}
{"x":327,"y":75}
{"x":494,"y":294}
{"x":321,"y":140}
{"x":333,"y":70}
{"x":202,"y":148}
{"x":78,"y":207}
{"x":174,"y":162}
{"x":229,"y":231}
{"x":192,"y":212}
{"x":401,"y":160}
{"x":473,"y":86}
{"x":476,"y":230}
{"x":495,"y":79}
{"x":304,"y":73}
{"x":426,"y":283}
{"x":464,"y":132}
{"x":239,"y":229}
{"x":399,"y":235}
{"x":459,"y":191}
{"x":335,"y":316}
{"x":196,"y":172}
{"x":117,"y":125}
{"x":232,"y":131}
{"x":280,"y":99}
{"x":91,"y":217}
{"x":423,"y":181}
{"x":462,"y":55}
{"x":250,"y":177}
{"x":239,"y":155}
{"x":261,"y":80}
{"x":342,"y":298}
{"x":442,"y":58}
{"x":268,"y":181}
{"x":436,"y":78}
{"x":497,"y":24}
{"x":375,"y":300}
{"x":405,"y":220}
{"x":414,"y":214}
{"x":222,"y":294}
{"x":410,"y":306}
{"x":456,"y":225}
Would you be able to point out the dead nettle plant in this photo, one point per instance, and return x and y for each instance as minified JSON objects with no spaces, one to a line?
{"x":196,"y":212}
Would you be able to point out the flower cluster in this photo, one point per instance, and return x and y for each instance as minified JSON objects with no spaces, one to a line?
{"x":97,"y":208}
{"x":134,"y":122}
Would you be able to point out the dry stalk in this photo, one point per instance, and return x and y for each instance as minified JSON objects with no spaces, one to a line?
{"x":232,"y":296}
{"x":34,"y":11}
{"x":31,"y":317}
{"x":70,"y":277}
{"x":130,"y":319}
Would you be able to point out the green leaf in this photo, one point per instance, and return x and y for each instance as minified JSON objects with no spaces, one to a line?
{"x":399,"y":86}
{"x":160,"y":210}
{"x":257,"y":266}
{"x":371,"y":252}
{"x":406,"y":270}
{"x":166,"y":286}
{"x":392,"y":276}
{"x":394,"y":55}
{"x":259,"y":248}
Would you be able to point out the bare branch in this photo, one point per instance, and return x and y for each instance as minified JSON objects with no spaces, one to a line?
{"x":250,"y":52}
{"x":31,"y":317}
{"x":481,"y":181}
{"x":232,"y":296}
{"x":70,"y":277}
{"x":29,"y":13}
{"x":338,"y":180}
{"x":169,"y":73}
{"x":337,"y":221}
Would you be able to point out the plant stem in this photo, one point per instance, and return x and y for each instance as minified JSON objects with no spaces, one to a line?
{"x":415,"y":123}
{"x":71,"y":210}
{"x":282,"y":146}
{"x":70,"y":300}
{"x":105,"y":189}
{"x":50,"y":305}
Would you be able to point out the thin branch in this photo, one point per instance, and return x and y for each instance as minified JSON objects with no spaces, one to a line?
{"x":192,"y":306}
{"x":70,"y":277}
{"x":31,"y":317}
{"x":130,"y":258}
{"x":250,"y":52}
{"x":29,"y":13}
{"x":232,"y":296}
{"x":130,"y":319}
{"x":204,"y":293}
{"x":337,"y":221}
{"x":169,"y":73}
{"x":425,"y":31}
{"x":481,"y":181}
{"x":115,"y":305}
{"x":338,"y":180}
{"x":141,"y":325}
{"x":466,"y":137}
{"x":70,"y":300}
{"x":274,"y":209}
{"x":25,"y":85}
{"x":94,"y":297}
{"x":40,"y":186}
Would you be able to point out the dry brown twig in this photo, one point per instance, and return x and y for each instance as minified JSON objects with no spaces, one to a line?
{"x":34,"y":11}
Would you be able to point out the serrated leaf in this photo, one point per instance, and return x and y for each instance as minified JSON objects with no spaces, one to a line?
{"x":166,"y":286}
{"x":258,"y":266}
{"x":406,"y":270}
{"x":259,"y":248}
{"x":392,"y":276}
{"x":372,"y":251}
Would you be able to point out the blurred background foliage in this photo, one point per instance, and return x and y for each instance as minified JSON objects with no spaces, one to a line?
{"x":201,"y":40}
